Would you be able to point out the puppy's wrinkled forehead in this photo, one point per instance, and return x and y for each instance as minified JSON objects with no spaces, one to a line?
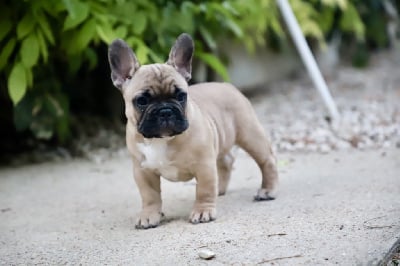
{"x":158,"y":79}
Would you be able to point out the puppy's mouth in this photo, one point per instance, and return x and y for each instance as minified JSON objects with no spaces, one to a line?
{"x":164,"y":120}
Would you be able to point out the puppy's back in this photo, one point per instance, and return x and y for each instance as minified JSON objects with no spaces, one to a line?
{"x":219,"y":95}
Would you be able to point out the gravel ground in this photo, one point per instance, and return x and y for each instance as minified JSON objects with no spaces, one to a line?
{"x":368,"y":100}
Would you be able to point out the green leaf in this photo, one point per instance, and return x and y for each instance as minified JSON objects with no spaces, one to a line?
{"x":106,"y":33}
{"x":78,"y":12}
{"x":121,"y":32}
{"x":139,"y":23}
{"x":214,"y":63}
{"x":142,"y":52}
{"x":53,"y":8}
{"x":188,"y":8}
{"x":215,"y":8}
{"x":155,"y":57}
{"x":25,"y":26}
{"x":5,"y":27}
{"x":208,"y":38}
{"x":342,"y":4}
{"x":42,"y":45}
{"x":6,"y":52}
{"x":326,"y":18}
{"x":100,"y":17}
{"x":98,"y":7}
{"x":310,"y":28}
{"x":234,"y":27}
{"x":70,"y":5}
{"x":44,"y":25}
{"x":82,"y":38}
{"x":276,"y":27}
{"x":351,"y":21}
{"x":17,"y":83}
{"x":29,"y":51}
{"x":228,"y":6}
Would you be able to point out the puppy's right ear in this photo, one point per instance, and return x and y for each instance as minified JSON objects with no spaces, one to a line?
{"x":123,"y":62}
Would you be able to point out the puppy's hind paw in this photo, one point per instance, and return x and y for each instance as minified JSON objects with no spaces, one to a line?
{"x":203,"y":215}
{"x":148,"y":220}
{"x":263,"y":195}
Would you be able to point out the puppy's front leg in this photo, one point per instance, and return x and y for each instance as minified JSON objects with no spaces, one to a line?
{"x":204,"y":209}
{"x":150,"y":191}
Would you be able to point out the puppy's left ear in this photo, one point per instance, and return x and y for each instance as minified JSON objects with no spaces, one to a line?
{"x":181,"y":54}
{"x":123,"y":62}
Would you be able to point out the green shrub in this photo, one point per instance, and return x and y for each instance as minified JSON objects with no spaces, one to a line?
{"x":48,"y":44}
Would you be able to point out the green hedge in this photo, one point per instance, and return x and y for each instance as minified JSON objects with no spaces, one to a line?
{"x":46,"y":44}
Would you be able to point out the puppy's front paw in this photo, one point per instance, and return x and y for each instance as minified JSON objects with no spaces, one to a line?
{"x":262,"y":195}
{"x":203,"y":215}
{"x":148,"y":219}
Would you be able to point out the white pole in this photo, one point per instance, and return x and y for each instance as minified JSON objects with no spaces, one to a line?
{"x":307,"y":57}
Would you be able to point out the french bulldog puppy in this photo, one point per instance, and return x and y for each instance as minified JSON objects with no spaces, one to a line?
{"x":182,"y":132}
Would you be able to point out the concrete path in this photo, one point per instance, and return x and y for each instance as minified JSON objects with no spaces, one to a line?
{"x":340,"y":208}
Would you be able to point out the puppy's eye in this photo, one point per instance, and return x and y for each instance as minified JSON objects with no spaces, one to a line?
{"x":142,"y":101}
{"x":181,"y":96}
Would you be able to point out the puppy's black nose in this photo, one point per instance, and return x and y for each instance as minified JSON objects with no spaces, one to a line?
{"x":165,"y":113}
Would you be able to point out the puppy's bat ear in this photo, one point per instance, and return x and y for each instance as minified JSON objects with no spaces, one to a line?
{"x":181,"y":54}
{"x":123,"y":62}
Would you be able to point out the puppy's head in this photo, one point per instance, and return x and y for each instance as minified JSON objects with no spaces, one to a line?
{"x":155,"y":95}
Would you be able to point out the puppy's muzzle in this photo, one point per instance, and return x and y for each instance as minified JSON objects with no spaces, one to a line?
{"x":166,"y":117}
{"x":165,"y":113}
{"x":163,"y":121}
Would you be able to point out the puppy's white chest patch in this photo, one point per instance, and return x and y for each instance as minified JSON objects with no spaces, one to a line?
{"x":156,"y":157}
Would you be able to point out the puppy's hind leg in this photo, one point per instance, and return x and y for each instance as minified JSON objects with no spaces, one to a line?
{"x":254,"y":141}
{"x":224,"y":164}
